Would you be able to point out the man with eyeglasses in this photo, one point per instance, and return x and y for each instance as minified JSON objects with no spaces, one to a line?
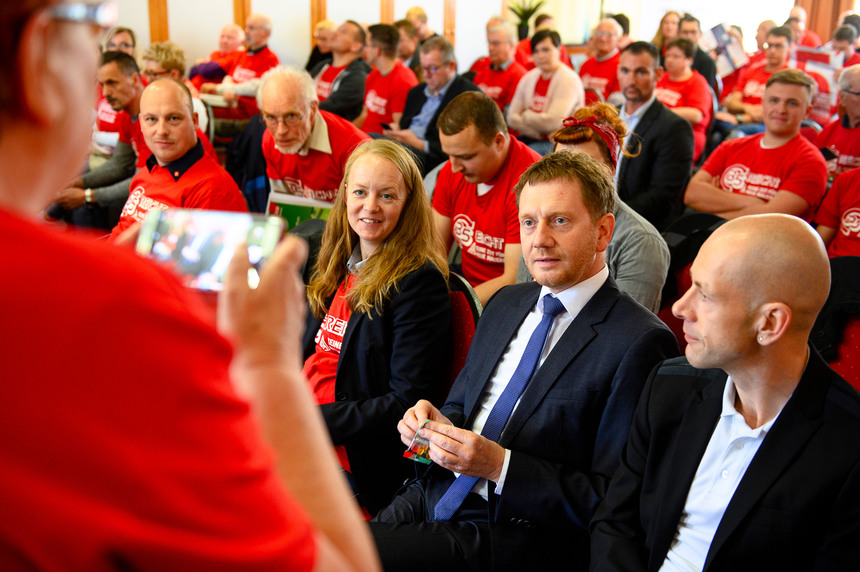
{"x":498,"y":74}
{"x":745,"y":101}
{"x":778,"y":171}
{"x":600,"y":71}
{"x":305,"y":148}
{"x":167,"y":59}
{"x":842,"y":135}
{"x":417,"y":128}
{"x":139,"y":445}
{"x":689,"y":27}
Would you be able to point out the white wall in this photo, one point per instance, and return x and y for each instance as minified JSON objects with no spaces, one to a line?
{"x":196,"y":24}
{"x":363,"y":12}
{"x":470,"y":39}
{"x":134,"y":14}
{"x":291,"y":32}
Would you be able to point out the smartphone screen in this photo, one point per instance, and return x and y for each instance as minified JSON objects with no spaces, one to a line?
{"x":198,"y":244}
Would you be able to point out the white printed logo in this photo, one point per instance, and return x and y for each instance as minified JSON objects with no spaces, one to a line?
{"x":464,"y":230}
{"x":851,"y":222}
{"x":735,"y":178}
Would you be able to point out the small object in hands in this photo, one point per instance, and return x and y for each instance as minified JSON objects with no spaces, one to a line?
{"x":386,"y":126}
{"x":419,"y":449}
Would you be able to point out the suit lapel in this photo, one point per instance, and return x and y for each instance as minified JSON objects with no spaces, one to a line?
{"x":504,"y":332}
{"x":577,"y":336}
{"x":797,"y":423}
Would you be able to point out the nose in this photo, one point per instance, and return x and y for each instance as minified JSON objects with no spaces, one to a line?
{"x":542,"y":236}
{"x":456,"y":165}
{"x":371,"y":203}
{"x":681,"y":308}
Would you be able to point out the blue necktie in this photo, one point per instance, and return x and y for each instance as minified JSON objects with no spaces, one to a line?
{"x":498,"y":418}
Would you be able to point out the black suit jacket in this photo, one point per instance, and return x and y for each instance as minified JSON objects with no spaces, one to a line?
{"x":653,"y":181}
{"x":796,"y":508}
{"x":388,"y":361}
{"x":703,"y":64}
{"x":569,"y":427}
{"x":415,"y":100}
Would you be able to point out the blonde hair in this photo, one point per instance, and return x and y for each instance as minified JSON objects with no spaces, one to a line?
{"x":168,"y":55}
{"x":410,"y":245}
{"x":659,"y":40}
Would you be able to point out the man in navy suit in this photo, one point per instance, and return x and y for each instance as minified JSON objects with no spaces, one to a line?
{"x":744,"y":455}
{"x":532,"y":487}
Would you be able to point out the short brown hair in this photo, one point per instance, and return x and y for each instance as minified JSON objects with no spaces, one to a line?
{"x":439,"y":43}
{"x":687,"y":47}
{"x":473,"y":108}
{"x":598,"y":190}
{"x":794,"y":77}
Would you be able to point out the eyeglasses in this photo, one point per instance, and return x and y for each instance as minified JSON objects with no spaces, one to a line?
{"x":103,"y":15}
{"x":110,"y":46}
{"x":768,"y":46}
{"x":433,"y":69}
{"x":288,"y":119}
{"x":849,"y":92}
{"x":601,"y":34}
{"x":152,"y":74}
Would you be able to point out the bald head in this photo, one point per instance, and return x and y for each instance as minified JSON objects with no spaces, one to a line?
{"x":231,"y":39}
{"x":774,"y":258}
{"x":167,"y":120}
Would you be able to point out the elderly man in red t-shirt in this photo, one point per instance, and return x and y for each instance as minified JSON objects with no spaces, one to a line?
{"x":842,"y":135}
{"x":498,"y":74}
{"x":777,"y":171}
{"x":600,"y":71}
{"x":305,"y":148}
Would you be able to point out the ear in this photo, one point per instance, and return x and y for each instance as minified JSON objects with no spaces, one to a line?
{"x":772,"y":322}
{"x":499,"y":140}
{"x":658,"y":73}
{"x":175,"y":74}
{"x":40,"y":90}
{"x":196,"y":120}
{"x":605,"y":227}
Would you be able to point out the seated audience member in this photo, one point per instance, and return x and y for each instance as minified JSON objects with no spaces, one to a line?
{"x":378,"y":331}
{"x":179,"y":173}
{"x":306,"y":149}
{"x":624,"y":21}
{"x":691,"y":29}
{"x":322,"y":48}
{"x":685,"y":91}
{"x":239,"y":86}
{"x":797,"y":23}
{"x":388,"y":84}
{"x":473,"y":203}
{"x":104,"y":190}
{"x":651,"y":177}
{"x":118,"y":39}
{"x":166,"y":59}
{"x":842,"y":135}
{"x":523,"y":53}
{"x":600,"y":71}
{"x":407,"y":47}
{"x":745,"y":102}
{"x":425,"y":101}
{"x":756,"y":59}
{"x":150,"y":455}
{"x":744,"y":455}
{"x":778,"y":171}
{"x":340,"y":83}
{"x":499,"y":74}
{"x":844,"y":38}
{"x":545,"y":95}
{"x":231,"y":44}
{"x":418,"y":18}
{"x":515,"y":487}
{"x":637,"y":256}
{"x":838,"y":217}
{"x":484,"y":61}
{"x":666,"y":32}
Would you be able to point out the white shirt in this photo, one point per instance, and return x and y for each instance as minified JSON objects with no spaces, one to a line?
{"x":573,"y":299}
{"x":727,"y":458}
{"x":631,"y":120}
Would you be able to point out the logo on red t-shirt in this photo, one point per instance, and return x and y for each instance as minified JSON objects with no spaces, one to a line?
{"x":375,"y":103}
{"x":241,"y":75}
{"x":850,"y":222}
{"x":335,"y":328}
{"x":594,"y":82}
{"x":738,"y":179}
{"x":753,"y":90}
{"x":464,"y":230}
{"x":494,"y":92}
{"x":138,"y":204}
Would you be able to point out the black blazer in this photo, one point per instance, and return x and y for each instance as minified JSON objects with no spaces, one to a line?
{"x":569,"y":427}
{"x":796,"y":508}
{"x":388,"y":361}
{"x":653,"y":182}
{"x":415,"y":100}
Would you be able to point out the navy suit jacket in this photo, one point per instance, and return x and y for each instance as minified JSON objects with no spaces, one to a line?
{"x":388,"y":361}
{"x":652,"y":183}
{"x":797,"y":506}
{"x":415,"y":100}
{"x":567,"y":432}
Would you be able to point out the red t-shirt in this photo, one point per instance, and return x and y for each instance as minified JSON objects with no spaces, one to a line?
{"x":840,"y":209}
{"x":385,"y":95}
{"x":195,"y":181}
{"x":107,"y":119}
{"x":744,"y":167}
{"x":809,"y":39}
{"x":129,"y":447}
{"x":601,"y":76}
{"x":843,"y":141}
{"x":730,"y":81}
{"x":483,"y":225}
{"x":539,"y":98}
{"x":325,"y":80}
{"x":321,"y":367}
{"x":247,"y":67}
{"x":751,"y":84}
{"x":499,"y":85}
{"x":692,"y":92}
{"x":316,"y":175}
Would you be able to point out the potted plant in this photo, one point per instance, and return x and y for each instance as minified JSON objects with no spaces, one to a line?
{"x":524,"y":10}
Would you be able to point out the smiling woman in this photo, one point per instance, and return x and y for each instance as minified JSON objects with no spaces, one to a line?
{"x":377,"y":335}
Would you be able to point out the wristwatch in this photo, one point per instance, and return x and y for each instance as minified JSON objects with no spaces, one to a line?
{"x":88,"y":197}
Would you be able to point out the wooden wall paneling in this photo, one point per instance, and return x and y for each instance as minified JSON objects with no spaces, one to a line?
{"x":450,"y":21}
{"x":386,"y":11}
{"x":158,"y":26}
{"x":318,"y":14}
{"x":241,"y":11}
